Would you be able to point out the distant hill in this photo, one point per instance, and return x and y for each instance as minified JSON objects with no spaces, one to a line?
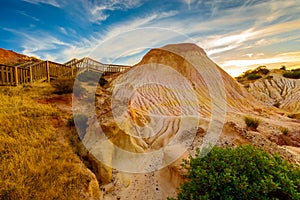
{"x":277,"y":87}
{"x":9,"y":57}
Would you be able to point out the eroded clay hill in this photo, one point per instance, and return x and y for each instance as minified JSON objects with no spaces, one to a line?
{"x":192,"y":62}
{"x":278,"y":91}
{"x":175,"y":99}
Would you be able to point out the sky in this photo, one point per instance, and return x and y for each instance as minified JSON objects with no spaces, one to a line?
{"x":237,"y":35}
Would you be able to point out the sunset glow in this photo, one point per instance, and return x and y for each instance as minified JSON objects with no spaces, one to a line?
{"x":237,"y":35}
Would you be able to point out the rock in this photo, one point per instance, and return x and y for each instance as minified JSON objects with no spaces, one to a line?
{"x":176,"y":93}
{"x":92,"y":190}
{"x":291,"y":139}
{"x":279,"y":91}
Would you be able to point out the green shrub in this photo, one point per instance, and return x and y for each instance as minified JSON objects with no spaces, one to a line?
{"x":242,"y":173}
{"x":67,"y":85}
{"x":63,"y":85}
{"x":252,"y":122}
{"x":292,"y":74}
{"x":284,"y":130}
{"x":295,"y":70}
{"x":253,"y":76}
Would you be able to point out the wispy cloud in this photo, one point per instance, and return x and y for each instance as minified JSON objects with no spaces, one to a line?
{"x":97,"y":11}
{"x":49,"y":2}
{"x":220,"y":43}
{"x":40,"y":44}
{"x":27,"y":15}
{"x":273,"y":40}
{"x":63,"y":30}
{"x":226,"y":31}
{"x":189,"y":3}
{"x":122,"y":39}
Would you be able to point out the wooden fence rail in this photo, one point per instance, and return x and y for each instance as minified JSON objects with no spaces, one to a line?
{"x":45,"y":70}
{"x":22,"y":75}
{"x":38,"y":71}
{"x":7,"y":74}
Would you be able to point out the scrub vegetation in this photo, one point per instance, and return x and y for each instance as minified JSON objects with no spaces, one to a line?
{"x":34,"y":162}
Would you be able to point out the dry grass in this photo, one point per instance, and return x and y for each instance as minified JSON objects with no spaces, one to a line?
{"x":284,"y":130}
{"x":63,"y":85}
{"x":34,"y":164}
{"x":251,"y":122}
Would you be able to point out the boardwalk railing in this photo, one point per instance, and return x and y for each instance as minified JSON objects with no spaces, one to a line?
{"x":45,"y":70}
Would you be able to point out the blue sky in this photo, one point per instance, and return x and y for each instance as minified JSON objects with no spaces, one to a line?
{"x":237,"y":35}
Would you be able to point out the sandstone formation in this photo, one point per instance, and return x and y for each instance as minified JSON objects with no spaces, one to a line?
{"x":176,"y":99}
{"x":279,"y":91}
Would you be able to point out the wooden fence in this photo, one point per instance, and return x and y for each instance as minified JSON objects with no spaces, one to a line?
{"x":45,"y":70}
{"x":15,"y":75}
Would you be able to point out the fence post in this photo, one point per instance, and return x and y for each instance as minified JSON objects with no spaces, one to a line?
{"x":87,"y":63}
{"x":16,"y":76}
{"x":30,"y":74}
{"x":48,"y":71}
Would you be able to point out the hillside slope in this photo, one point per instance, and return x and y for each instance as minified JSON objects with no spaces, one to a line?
{"x":9,"y":57}
{"x":36,"y":159}
{"x":156,"y":106}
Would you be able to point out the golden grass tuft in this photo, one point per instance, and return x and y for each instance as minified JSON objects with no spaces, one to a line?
{"x":251,"y":122}
{"x":34,"y":164}
{"x":284,"y":130}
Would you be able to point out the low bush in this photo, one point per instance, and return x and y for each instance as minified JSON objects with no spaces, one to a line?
{"x":292,"y":74}
{"x":67,"y":86}
{"x":295,"y":70}
{"x":261,"y":70}
{"x":253,"y":76}
{"x":252,"y":122}
{"x":242,"y":173}
{"x":63,"y":85}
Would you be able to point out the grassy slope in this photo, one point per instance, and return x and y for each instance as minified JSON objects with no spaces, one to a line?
{"x":34,"y":164}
